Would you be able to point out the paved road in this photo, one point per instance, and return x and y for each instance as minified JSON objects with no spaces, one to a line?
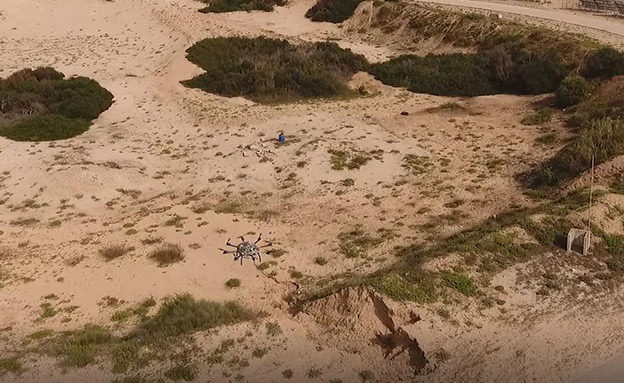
{"x":577,"y":18}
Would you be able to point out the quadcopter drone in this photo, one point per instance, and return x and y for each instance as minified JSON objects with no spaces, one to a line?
{"x":246,"y":249}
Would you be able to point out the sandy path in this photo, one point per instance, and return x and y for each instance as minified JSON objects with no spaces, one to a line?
{"x":559,"y":15}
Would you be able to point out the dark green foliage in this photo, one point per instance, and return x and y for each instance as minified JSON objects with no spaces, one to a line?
{"x":270,"y":70}
{"x":604,"y":139}
{"x":40,"y":105}
{"x":501,"y":70}
{"x":183,"y":314}
{"x":333,"y":11}
{"x":45,"y":127}
{"x":573,"y":90}
{"x":604,"y":63}
{"x":449,"y":75}
{"x":221,"y":6}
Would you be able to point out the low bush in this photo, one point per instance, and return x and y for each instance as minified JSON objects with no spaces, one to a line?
{"x":184,"y":314}
{"x":222,"y":6}
{"x":233,"y":283}
{"x":270,"y":70}
{"x":445,"y":75}
{"x":606,"y":101}
{"x":540,"y":116}
{"x":500,"y":70}
{"x":41,"y":105}
{"x":82,"y":348}
{"x":573,"y":90}
{"x":333,"y":11}
{"x":167,"y":254}
{"x":603,"y":139}
{"x":604,"y":63}
{"x":45,"y":127}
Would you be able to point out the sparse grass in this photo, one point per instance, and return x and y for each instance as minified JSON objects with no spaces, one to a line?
{"x":181,"y":372}
{"x":417,"y":286}
{"x":547,"y":138}
{"x":451,"y":106}
{"x":82,"y":348}
{"x":259,"y":352}
{"x":11,"y":364}
{"x":357,"y":243}
{"x":183,"y":314}
{"x":233,"y":283}
{"x":367,"y":376}
{"x":123,"y":355}
{"x":176,"y":221}
{"x":48,"y":310}
{"x":540,"y":116}
{"x":313,"y":373}
{"x":24,"y":222}
{"x":114,"y":251}
{"x":122,"y":315}
{"x":167,"y":254}
{"x":288,"y":374}
{"x":460,"y":282}
{"x":41,"y":334}
{"x":273,"y":329}
{"x":416,"y":164}
{"x":269,"y":70}
{"x":347,"y":159}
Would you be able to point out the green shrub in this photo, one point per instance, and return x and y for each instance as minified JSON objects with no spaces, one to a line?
{"x":604,"y":139}
{"x":82,"y":348}
{"x":460,"y":282}
{"x":221,"y":6}
{"x":501,"y":70}
{"x":11,"y":364}
{"x":232,"y":283}
{"x":540,"y":116}
{"x":270,"y":70}
{"x":333,"y":11}
{"x":181,"y":372}
{"x":573,"y":89}
{"x":40,"y":105}
{"x":604,"y":63}
{"x":445,"y":75}
{"x":45,"y":127}
{"x":184,"y":314}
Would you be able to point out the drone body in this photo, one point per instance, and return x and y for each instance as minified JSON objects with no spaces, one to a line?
{"x":246,"y":249}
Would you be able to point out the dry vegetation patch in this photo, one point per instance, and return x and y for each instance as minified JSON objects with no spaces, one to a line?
{"x":167,"y":254}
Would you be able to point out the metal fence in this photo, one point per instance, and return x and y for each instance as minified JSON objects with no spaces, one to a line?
{"x":604,"y":6}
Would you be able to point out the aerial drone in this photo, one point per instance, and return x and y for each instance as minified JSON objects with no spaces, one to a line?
{"x":246,"y":249}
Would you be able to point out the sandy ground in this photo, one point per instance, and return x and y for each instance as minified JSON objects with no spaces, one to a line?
{"x":163,"y":151}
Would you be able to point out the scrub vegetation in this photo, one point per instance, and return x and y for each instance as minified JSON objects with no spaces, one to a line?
{"x":42,"y":105}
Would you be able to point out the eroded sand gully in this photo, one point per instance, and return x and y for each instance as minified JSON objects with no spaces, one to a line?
{"x":162,"y":151}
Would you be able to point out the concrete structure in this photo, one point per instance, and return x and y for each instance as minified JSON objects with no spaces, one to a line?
{"x":579,"y":240}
